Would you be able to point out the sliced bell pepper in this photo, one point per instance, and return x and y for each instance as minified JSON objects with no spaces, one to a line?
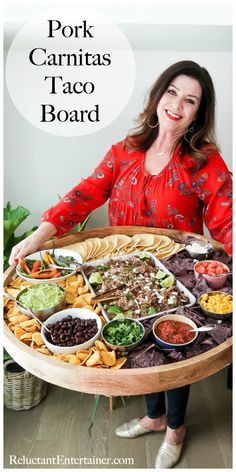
{"x":45,"y":274}
{"x":36,"y":267}
{"x":45,"y":258}
{"x":24,"y":266}
{"x":48,"y":258}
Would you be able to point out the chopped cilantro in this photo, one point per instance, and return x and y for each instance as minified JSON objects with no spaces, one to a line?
{"x":123,"y":333}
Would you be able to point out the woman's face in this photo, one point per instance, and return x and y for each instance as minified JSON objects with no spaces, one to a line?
{"x":179,"y":104}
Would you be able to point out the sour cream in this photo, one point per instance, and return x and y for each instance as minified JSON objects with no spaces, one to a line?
{"x":198,"y":248}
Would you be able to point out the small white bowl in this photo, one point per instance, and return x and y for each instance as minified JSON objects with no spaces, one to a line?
{"x":75,"y":313}
{"x":58,"y":252}
{"x":212,"y":281}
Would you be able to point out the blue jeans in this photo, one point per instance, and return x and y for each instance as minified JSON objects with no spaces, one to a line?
{"x":177,"y":404}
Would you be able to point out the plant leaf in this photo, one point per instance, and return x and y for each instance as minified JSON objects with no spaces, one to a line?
{"x":12,"y":219}
{"x":123,"y":400}
{"x":95,"y":406}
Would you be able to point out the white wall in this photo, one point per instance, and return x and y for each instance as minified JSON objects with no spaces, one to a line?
{"x":39,"y":166}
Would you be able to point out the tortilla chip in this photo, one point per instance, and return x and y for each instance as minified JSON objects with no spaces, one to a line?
{"x":17,"y":319}
{"x":94,"y":359}
{"x":71,"y":279}
{"x":101,"y":346}
{"x":11,"y":326}
{"x":83,"y":355}
{"x":109,"y":358}
{"x":72,"y":359}
{"x":37,"y":339}
{"x":18,"y":332}
{"x":26,"y":336}
{"x":16,"y":283}
{"x":82,"y":290}
{"x":28,"y":323}
{"x":102,"y":319}
{"x":32,"y":329}
{"x":98,"y":309}
{"x":14,"y":311}
{"x":27,"y":342}
{"x":8,"y":303}
{"x":119,"y":363}
{"x":79,"y":280}
{"x":70,"y":298}
{"x":12,"y":291}
{"x":43,"y":350}
{"x":61,"y":357}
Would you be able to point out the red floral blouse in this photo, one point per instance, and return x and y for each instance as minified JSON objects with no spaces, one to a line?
{"x":175,"y":198}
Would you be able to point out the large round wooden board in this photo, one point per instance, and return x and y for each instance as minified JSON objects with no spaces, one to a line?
{"x":112,"y":381}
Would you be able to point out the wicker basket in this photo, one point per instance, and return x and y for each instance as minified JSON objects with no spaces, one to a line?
{"x":22,"y":390}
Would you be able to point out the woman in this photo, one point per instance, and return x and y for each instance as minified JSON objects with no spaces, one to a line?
{"x":167,"y":173}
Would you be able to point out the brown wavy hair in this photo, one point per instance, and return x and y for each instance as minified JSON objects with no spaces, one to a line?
{"x":202,"y":140}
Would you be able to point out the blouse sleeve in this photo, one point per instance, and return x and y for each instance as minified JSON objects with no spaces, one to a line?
{"x":214,"y":187}
{"x":89,"y":194}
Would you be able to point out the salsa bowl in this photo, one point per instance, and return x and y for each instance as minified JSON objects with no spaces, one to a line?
{"x":173,"y":332}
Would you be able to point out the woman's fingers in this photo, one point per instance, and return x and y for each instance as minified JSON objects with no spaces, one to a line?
{"x":24,"y":248}
{"x":32,"y":243}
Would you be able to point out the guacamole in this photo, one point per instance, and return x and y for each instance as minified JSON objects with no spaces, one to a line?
{"x":39,"y":297}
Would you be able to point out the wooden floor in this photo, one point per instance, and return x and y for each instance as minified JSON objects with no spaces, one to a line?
{"x":59,"y":425}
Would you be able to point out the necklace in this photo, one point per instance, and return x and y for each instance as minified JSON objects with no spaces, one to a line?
{"x":160,"y":153}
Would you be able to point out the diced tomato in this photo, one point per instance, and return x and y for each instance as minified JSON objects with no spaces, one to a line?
{"x":211,"y":273}
{"x":212,"y":265}
{"x":204,"y":264}
{"x":200,"y":268}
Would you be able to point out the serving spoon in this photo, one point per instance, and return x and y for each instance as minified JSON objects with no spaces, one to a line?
{"x":76,"y":268}
{"x":203,"y":328}
{"x":29,"y":310}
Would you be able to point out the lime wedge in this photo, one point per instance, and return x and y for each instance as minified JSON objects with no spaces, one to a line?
{"x":168,"y":281}
{"x":160,"y":275}
{"x":144,"y":255}
{"x":95,"y":278}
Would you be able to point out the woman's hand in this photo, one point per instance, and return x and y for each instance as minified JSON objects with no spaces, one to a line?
{"x":32,"y":243}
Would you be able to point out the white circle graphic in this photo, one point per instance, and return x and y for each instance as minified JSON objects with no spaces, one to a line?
{"x":70,"y":71}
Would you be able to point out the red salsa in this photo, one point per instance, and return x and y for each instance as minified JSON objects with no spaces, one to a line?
{"x":175,"y":332}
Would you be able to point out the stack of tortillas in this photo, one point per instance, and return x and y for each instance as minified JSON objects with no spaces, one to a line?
{"x":118,"y":244}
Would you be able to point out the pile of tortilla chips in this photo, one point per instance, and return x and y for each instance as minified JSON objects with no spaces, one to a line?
{"x":28,"y":330}
{"x":96,"y":356}
{"x":118,"y":244}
